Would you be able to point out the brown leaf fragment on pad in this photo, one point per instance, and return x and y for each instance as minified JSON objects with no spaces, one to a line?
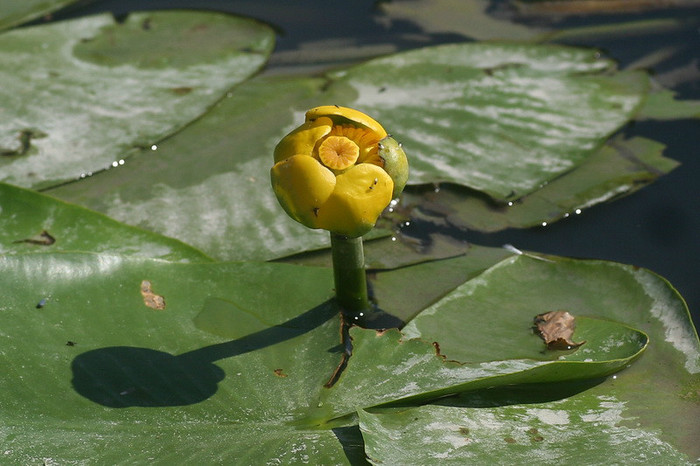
{"x":556,"y":329}
{"x":151,"y":299}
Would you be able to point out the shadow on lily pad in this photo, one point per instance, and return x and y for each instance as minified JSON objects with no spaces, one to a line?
{"x":125,"y":376}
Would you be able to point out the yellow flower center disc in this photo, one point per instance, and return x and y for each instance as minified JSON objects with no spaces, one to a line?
{"x":338,"y":152}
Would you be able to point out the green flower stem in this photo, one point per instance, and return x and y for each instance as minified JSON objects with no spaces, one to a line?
{"x":349,"y":274}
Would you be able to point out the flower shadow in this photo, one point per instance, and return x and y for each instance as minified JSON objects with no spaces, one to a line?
{"x":127,"y":376}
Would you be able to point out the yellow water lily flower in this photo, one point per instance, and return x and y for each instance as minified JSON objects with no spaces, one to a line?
{"x":338,"y":171}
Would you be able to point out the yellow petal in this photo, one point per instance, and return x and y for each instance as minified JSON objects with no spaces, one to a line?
{"x":302,"y":185}
{"x":303,"y":139}
{"x":341,"y":115}
{"x":360,"y":195}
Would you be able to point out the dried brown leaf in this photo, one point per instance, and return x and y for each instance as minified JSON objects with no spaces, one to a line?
{"x":556,"y":329}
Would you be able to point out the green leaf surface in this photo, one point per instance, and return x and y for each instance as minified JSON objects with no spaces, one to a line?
{"x":82,"y":95}
{"x":647,"y":413}
{"x":229,"y":196}
{"x":619,"y":168}
{"x":662,"y":105}
{"x":407,"y":291}
{"x":97,"y":357}
{"x":584,"y":431}
{"x":501,"y":118}
{"x":15,"y":12}
{"x":105,"y":368}
{"x":33,"y":222}
{"x":225,"y":206}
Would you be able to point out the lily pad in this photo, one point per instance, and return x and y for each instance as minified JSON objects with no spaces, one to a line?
{"x":561,"y":422}
{"x":79,"y":97}
{"x":97,"y":348}
{"x":663,"y":105}
{"x":226,"y":206}
{"x":619,"y":168}
{"x":16,"y":12}
{"x":33,"y":222}
{"x":584,"y":431}
{"x":501,"y":118}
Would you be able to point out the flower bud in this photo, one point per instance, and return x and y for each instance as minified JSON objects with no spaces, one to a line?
{"x":338,"y":171}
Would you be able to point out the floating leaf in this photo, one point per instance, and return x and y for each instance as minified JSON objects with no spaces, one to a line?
{"x":226,"y":206}
{"x":16,"y":12}
{"x":582,"y":430}
{"x":82,"y":95}
{"x":627,"y":406}
{"x":97,"y":348}
{"x":617,"y":169}
{"x":33,"y":222}
{"x":501,"y":118}
{"x":662,"y":105}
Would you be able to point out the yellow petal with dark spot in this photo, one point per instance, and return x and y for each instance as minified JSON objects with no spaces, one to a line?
{"x":302,"y":185}
{"x":360,"y":195}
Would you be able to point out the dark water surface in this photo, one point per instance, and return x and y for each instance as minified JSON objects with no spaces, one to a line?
{"x":656,"y":228}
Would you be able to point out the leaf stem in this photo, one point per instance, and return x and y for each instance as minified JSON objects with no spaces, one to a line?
{"x":349,"y":274}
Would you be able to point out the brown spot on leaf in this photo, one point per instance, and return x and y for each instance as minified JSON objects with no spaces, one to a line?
{"x":509,"y":440}
{"x":279,"y":373}
{"x":464,"y":431}
{"x":556,"y":329}
{"x":42,"y":239}
{"x":150,"y":299}
{"x":70,"y":343}
{"x":181,"y":90}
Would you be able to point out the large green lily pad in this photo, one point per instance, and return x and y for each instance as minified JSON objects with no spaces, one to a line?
{"x":648,"y":413}
{"x":225,"y":206}
{"x":80,"y":96}
{"x":617,"y":169}
{"x":583,"y":430}
{"x":33,"y":222}
{"x":501,"y":118}
{"x":97,"y":355}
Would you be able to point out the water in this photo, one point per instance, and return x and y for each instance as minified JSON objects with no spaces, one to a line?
{"x":656,"y":228}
